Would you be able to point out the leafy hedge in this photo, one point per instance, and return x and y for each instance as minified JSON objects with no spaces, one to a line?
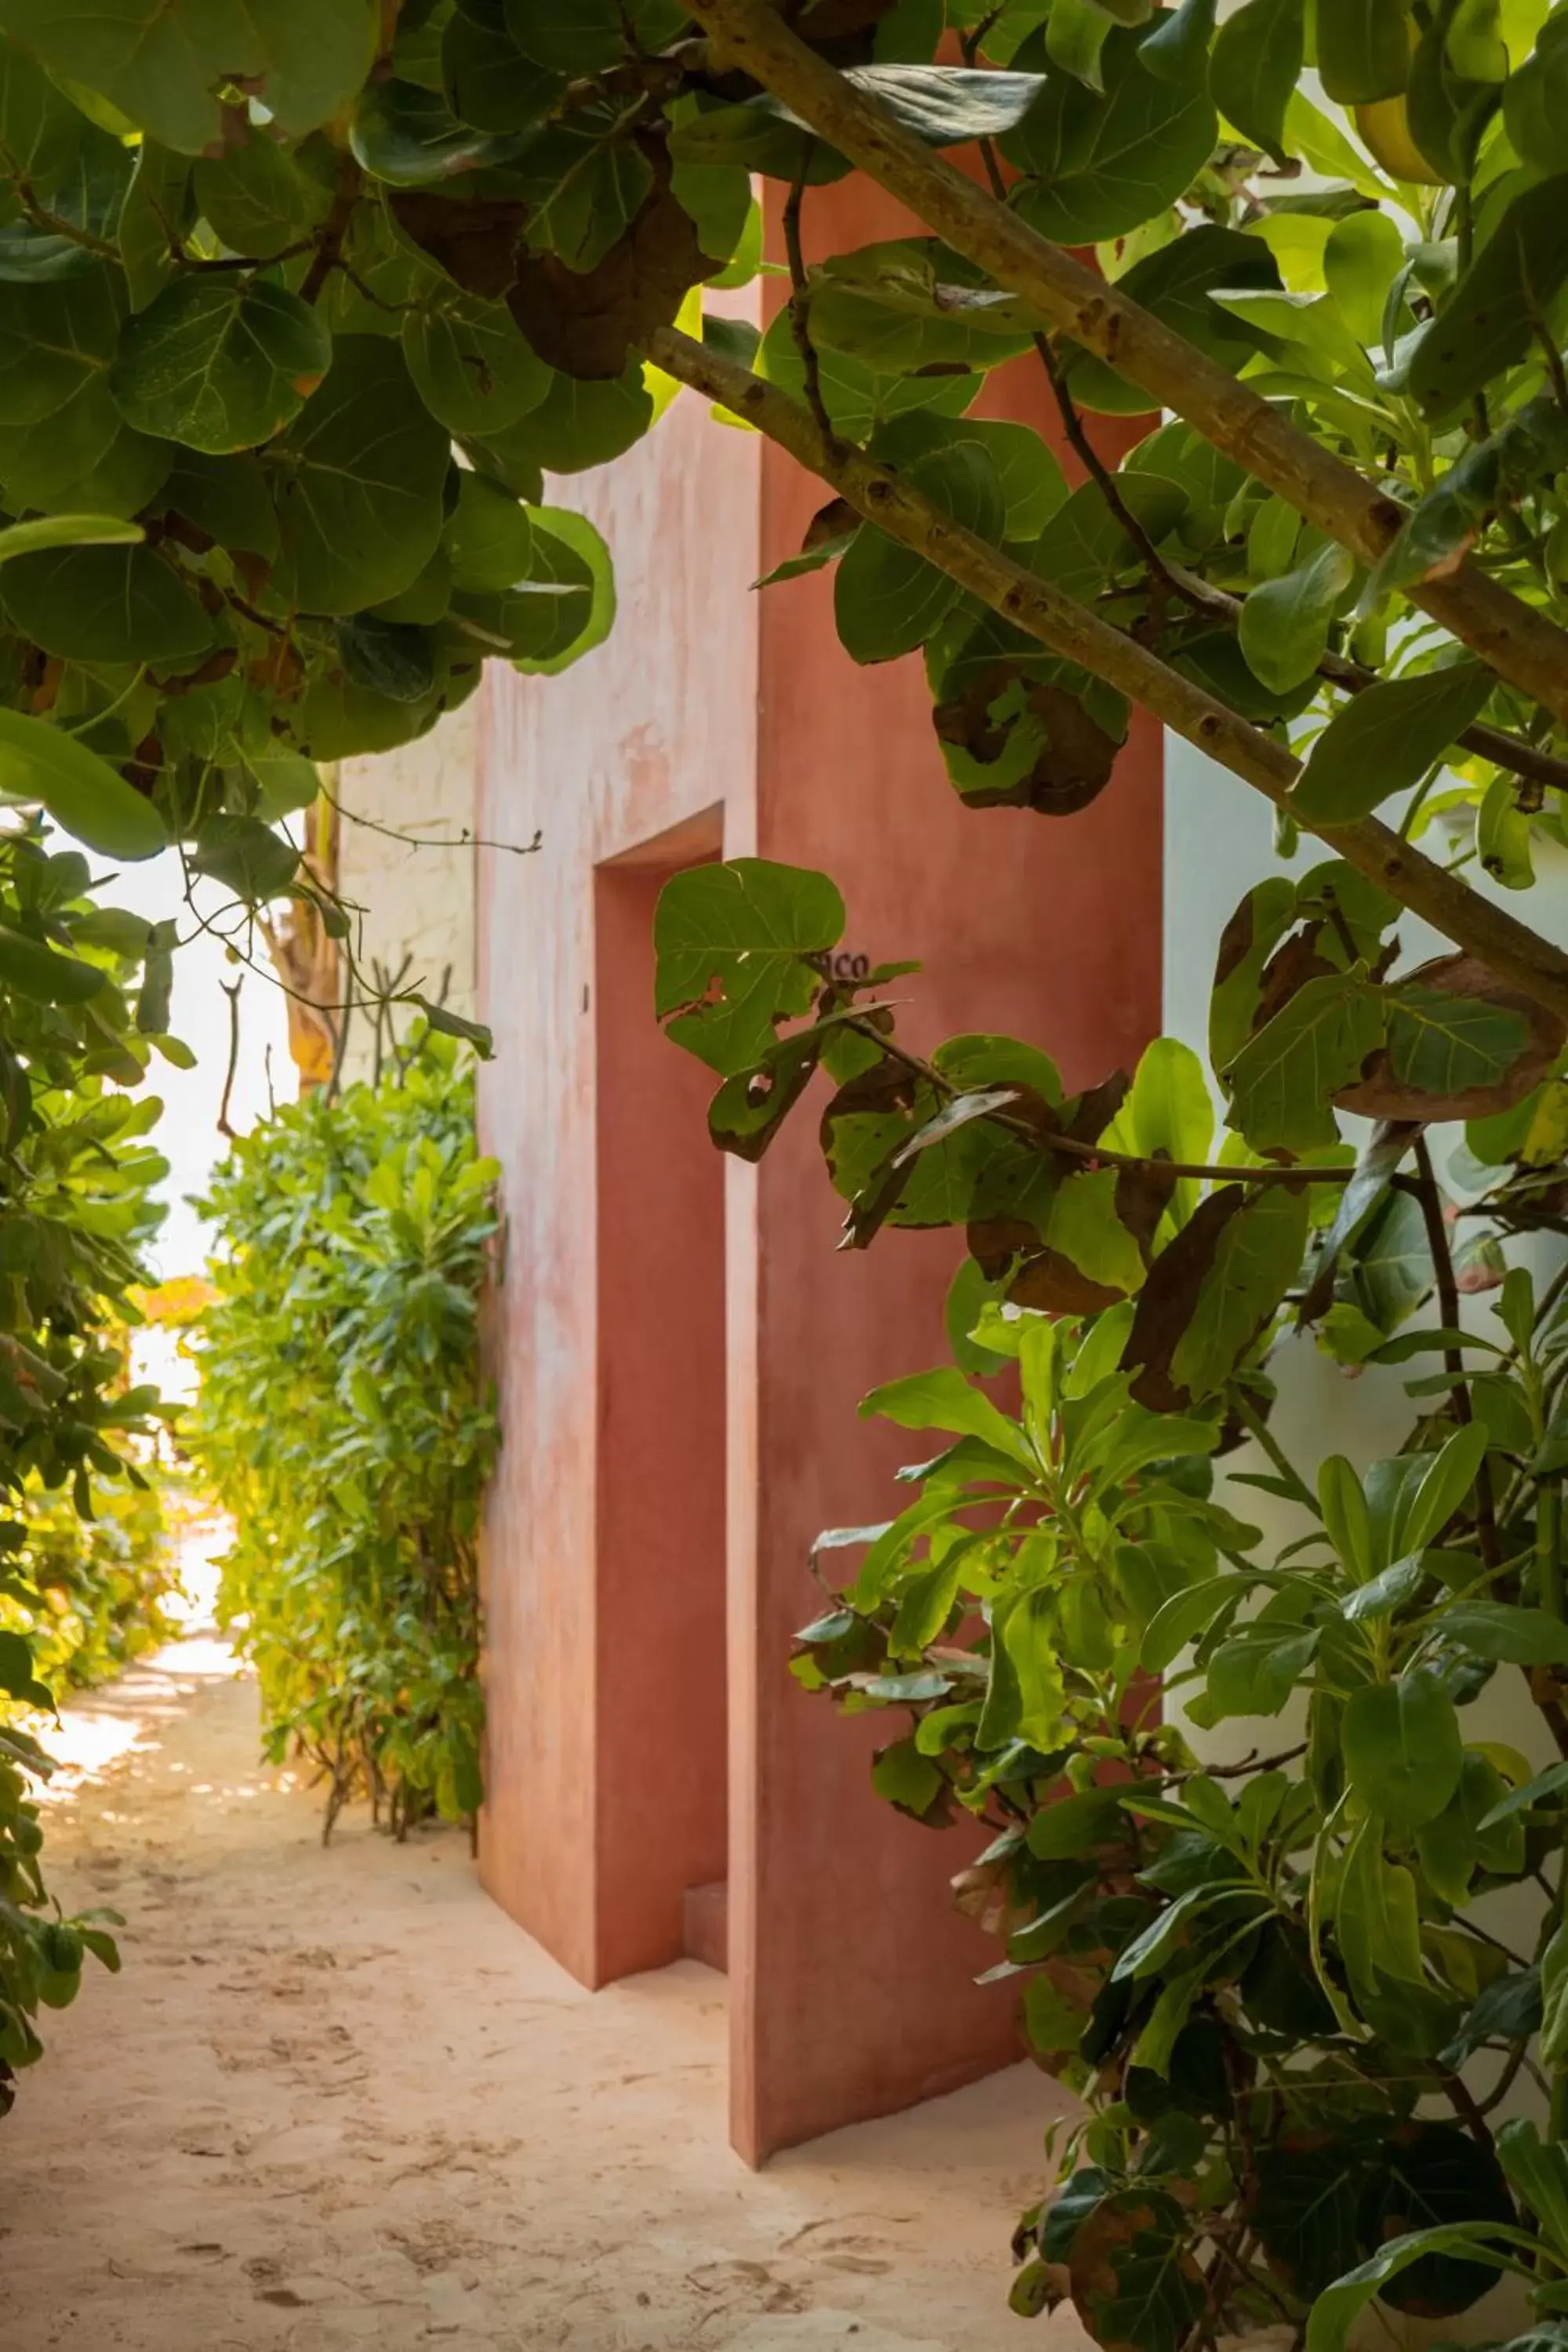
{"x":344,"y":1424}
{"x":77,"y":1037}
{"x":92,"y":1592}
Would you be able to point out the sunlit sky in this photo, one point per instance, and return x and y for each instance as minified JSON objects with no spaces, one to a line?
{"x":188,"y":1134}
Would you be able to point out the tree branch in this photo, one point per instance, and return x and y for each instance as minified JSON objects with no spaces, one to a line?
{"x":1044,"y":611}
{"x":1522,"y":644}
{"x":1504,"y":750}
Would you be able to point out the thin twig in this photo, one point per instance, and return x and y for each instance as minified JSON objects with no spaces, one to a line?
{"x":1096,"y":1153}
{"x":1431,"y":1200}
{"x":224,"y":1128}
{"x":463,"y":840}
{"x":800,"y":300}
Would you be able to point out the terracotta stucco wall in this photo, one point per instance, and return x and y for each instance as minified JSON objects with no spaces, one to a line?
{"x":739,"y":718}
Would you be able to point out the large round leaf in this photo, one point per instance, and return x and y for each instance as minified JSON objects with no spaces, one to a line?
{"x":567,"y":541}
{"x":246,"y":856}
{"x":164,"y":62}
{"x":220,"y":364}
{"x":579,"y":426}
{"x":54,"y":340}
{"x":79,"y":791}
{"x":541,"y":616}
{"x":583,"y":37}
{"x":104,"y":604}
{"x":488,"y":537}
{"x":471,"y":364}
{"x":1103,"y":163}
{"x":358,"y":481}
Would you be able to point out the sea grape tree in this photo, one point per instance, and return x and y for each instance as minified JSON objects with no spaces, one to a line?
{"x":302,"y":305}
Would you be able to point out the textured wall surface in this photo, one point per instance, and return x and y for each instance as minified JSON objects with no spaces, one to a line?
{"x":717,"y":719}
{"x":415,"y":902}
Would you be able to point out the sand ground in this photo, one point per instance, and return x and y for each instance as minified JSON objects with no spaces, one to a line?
{"x":337,"y":2099}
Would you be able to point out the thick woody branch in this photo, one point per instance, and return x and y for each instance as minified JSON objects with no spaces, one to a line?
{"x":1043,"y":612}
{"x":1522,"y":644}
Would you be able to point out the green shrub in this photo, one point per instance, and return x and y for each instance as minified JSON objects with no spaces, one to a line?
{"x":91,"y":1594}
{"x":344,"y":1424}
{"x":76,"y":1036}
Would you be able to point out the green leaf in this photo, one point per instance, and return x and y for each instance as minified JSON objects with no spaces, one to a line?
{"x":1148,"y":2290}
{"x":583,"y":37}
{"x":18,"y":1679}
{"x":1494,"y":313}
{"x":1342,"y":1501}
{"x":56,"y":340}
{"x":1402,"y":1748}
{"x":944,"y":1399}
{"x":1186,"y":1616}
{"x":1545,"y":1785}
{"x":80,"y":791}
{"x":887,"y":600}
{"x":259,"y":197}
{"x":42,"y":974}
{"x":357,"y":481}
{"x":1363,"y":49}
{"x":901,"y":1776}
{"x":1257,"y":1258}
{"x":67,"y":530}
{"x":579,"y":426}
{"x":1254,"y":68}
{"x":488,"y":537}
{"x":162,"y":62}
{"x":1384,"y":741}
{"x":1535,"y":101}
{"x":247,"y":857}
{"x":748,"y":925}
{"x":447,"y":1023}
{"x":568,"y":551}
{"x":1515,"y":1636}
{"x":1175,"y":283}
{"x":1540,"y":2172}
{"x":220,"y":364}
{"x":1305,"y":2210}
{"x":1448,"y":1045}
{"x":1364,"y":255}
{"x":407,"y":136}
{"x":1433,"y":2174}
{"x":1285,"y":623}
{"x":473,"y":369}
{"x":1101,"y":165}
{"x":1443,"y":1487}
{"x":104,"y":604}
{"x":1283,"y":1080}
{"x":1331,"y":2316}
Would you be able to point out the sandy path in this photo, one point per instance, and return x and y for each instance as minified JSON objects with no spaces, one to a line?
{"x":338,"y":2099}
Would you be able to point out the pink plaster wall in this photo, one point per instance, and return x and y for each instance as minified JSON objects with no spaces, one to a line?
{"x":850,"y":1976}
{"x":640,"y":737}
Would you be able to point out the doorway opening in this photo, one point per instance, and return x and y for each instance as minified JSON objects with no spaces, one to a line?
{"x":661,"y":1802}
